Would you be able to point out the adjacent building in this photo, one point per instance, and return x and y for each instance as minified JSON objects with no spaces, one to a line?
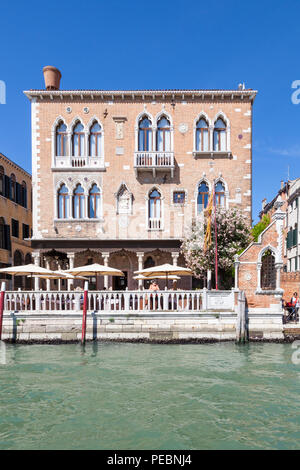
{"x":15,"y":218}
{"x":288,"y":197}
{"x":118,"y":175}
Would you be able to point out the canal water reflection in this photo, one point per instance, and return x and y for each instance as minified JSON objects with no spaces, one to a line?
{"x":149,"y":396}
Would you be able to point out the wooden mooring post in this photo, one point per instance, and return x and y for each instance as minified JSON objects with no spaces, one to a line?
{"x":242,"y":331}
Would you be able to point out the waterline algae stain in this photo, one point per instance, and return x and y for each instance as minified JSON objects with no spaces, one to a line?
{"x":149,"y":396}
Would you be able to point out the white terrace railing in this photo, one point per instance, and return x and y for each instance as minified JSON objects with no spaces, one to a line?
{"x":154,"y":161}
{"x":121,"y":302}
{"x":69,"y":162}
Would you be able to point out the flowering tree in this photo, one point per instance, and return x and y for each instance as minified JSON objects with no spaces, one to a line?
{"x":233,"y":235}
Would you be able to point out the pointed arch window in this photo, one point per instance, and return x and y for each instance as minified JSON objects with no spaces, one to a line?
{"x":220,"y":194}
{"x":163,"y":135}
{"x":78,"y":140}
{"x":202,"y":137}
{"x":94,"y":202}
{"x":63,"y":202}
{"x":203,"y":195}
{"x":61,"y":140}
{"x":95,"y":140}
{"x":145,"y":135}
{"x":155,"y":210}
{"x":219,"y":138}
{"x":78,"y":202}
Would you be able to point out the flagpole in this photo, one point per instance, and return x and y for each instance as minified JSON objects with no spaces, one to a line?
{"x":216,"y":238}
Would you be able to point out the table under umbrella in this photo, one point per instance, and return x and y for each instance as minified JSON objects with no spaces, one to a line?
{"x":164,"y":270}
{"x":94,"y":270}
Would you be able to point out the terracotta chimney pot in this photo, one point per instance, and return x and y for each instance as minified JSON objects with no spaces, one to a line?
{"x":52,"y":77}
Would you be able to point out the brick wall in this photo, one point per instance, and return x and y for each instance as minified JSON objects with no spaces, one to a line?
{"x":290,"y":283}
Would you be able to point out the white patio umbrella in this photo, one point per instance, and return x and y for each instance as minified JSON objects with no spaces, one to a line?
{"x":27,"y":269}
{"x":140,"y":277}
{"x":94,"y":270}
{"x":165,"y":270}
{"x":60,"y":275}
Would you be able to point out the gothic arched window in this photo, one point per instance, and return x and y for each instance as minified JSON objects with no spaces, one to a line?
{"x":155,"y":210}
{"x":95,"y":140}
{"x":163,"y":135}
{"x":61,"y":140}
{"x":202,"y":199}
{"x":202,"y":138}
{"x":78,"y":202}
{"x":63,"y":202}
{"x":219,"y":136}
{"x":78,"y":140}
{"x":220,"y":194}
{"x":145,"y":135}
{"x":94,"y":202}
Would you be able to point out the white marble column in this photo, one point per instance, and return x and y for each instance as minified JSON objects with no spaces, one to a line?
{"x":48,"y":281}
{"x":140,"y":255}
{"x":105,"y":258}
{"x":175,"y":256}
{"x":258,"y":267}
{"x":36,"y":255}
{"x":59,"y":280}
{"x":236,"y":271}
{"x":71,"y":258}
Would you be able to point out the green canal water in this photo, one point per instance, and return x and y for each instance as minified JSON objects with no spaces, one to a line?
{"x":147,"y":396}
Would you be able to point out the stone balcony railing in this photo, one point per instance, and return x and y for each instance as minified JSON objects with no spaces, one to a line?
{"x":78,"y":163}
{"x":119,"y":302}
{"x":154,"y":161}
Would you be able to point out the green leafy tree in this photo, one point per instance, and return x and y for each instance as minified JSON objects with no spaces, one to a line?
{"x":233,"y":236}
{"x":260,"y":227}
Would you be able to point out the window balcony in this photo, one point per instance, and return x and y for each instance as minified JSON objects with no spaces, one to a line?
{"x":78,"y":163}
{"x":155,"y":223}
{"x":155,"y":161}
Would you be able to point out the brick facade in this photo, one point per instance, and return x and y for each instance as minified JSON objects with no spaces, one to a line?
{"x":118,"y":114}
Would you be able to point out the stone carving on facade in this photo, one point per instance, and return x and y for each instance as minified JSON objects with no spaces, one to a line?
{"x":124,"y":200}
{"x":119,"y":123}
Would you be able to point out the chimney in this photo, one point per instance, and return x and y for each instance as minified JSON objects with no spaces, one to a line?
{"x":282,"y":184}
{"x":263,"y":204}
{"x":52,"y":77}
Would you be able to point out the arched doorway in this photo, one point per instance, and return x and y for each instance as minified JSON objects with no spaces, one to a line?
{"x":268,"y":271}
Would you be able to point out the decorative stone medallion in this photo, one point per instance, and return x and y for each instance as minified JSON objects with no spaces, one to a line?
{"x":248,"y":277}
{"x":183,"y":128}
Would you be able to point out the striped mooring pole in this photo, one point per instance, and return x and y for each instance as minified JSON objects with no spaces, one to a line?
{"x":85,"y":300}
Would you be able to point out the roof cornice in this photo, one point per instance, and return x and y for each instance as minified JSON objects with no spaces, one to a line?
{"x":104,"y":94}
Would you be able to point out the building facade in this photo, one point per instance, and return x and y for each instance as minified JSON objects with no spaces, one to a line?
{"x":15,"y":218}
{"x":119,"y":175}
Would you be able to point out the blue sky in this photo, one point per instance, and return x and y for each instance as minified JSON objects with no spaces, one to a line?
{"x":160,"y":44}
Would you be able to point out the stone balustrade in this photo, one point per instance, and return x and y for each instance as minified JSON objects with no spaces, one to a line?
{"x":120,"y":302}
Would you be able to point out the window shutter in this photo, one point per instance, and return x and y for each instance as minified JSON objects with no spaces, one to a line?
{"x":7,"y":186}
{"x":18,"y":193}
{"x":7,"y":243}
{"x":24,"y":198}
